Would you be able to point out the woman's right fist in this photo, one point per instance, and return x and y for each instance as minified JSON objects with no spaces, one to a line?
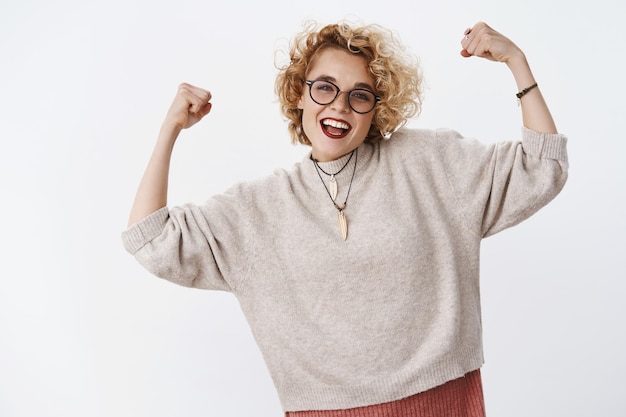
{"x":190,"y":105}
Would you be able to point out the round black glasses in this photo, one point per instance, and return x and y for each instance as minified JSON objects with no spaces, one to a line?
{"x":324,"y":92}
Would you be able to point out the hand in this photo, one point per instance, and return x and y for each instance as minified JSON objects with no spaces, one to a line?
{"x":190,"y":105}
{"x":484,"y":42}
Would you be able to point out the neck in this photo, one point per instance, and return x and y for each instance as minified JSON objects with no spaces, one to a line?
{"x":326,"y":158}
{"x":340,"y":169}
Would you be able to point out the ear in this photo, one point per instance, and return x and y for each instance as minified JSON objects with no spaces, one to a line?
{"x":301,"y":103}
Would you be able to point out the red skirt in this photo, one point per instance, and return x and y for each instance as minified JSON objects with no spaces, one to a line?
{"x":462,"y":397}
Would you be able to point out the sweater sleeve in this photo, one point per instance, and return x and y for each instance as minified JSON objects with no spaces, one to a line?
{"x":500,"y":185}
{"x":201,"y":246}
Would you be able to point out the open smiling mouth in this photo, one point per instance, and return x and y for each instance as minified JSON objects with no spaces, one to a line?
{"x":335,"y":129}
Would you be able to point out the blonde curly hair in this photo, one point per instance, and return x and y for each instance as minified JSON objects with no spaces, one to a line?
{"x":397,"y":76}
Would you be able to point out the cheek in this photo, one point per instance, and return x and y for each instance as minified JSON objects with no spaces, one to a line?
{"x":309,"y":111}
{"x":367,"y":123}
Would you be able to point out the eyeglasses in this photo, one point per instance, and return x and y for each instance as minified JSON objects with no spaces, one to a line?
{"x":324,"y":92}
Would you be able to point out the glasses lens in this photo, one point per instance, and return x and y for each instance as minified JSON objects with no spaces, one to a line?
{"x":323,"y":92}
{"x":362,"y":101}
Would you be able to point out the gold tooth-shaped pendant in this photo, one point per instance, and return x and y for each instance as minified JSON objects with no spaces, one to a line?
{"x":343,"y":225}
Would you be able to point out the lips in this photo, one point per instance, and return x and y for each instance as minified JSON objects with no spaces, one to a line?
{"x":335,"y":129}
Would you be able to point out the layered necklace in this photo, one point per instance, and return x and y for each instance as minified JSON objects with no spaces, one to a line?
{"x":331,"y":190}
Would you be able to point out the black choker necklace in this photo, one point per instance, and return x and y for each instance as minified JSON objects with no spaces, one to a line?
{"x":332,"y":192}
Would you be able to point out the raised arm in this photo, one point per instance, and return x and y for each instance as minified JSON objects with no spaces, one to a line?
{"x":190,"y":105}
{"x":484,"y":42}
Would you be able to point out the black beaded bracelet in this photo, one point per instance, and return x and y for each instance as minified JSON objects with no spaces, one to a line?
{"x":525,"y":90}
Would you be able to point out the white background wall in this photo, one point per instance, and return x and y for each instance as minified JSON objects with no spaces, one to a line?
{"x":85,"y":331}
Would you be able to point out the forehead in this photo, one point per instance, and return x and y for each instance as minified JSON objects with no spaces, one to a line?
{"x":343,"y":66}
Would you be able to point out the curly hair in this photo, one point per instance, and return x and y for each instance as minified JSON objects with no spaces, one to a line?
{"x":397,"y":76}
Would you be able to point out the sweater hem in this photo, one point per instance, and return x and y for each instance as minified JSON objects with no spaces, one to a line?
{"x":402,"y":385}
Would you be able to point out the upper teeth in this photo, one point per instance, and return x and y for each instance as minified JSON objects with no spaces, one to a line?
{"x":335,"y":123}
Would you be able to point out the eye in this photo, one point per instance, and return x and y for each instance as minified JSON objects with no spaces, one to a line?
{"x":324,"y":86}
{"x":362,"y":96}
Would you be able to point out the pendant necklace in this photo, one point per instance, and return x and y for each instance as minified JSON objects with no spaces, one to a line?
{"x":332,"y":184}
{"x":331,"y":190}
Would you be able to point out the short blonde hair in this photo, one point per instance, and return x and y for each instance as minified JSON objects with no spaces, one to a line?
{"x":397,"y":76}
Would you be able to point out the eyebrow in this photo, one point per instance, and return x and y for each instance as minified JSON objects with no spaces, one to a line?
{"x":356,"y":85}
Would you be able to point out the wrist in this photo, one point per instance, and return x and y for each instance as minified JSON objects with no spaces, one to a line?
{"x":518,"y":65}
{"x":169,"y":132}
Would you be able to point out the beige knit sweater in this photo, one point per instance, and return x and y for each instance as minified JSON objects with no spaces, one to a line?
{"x":392,"y":311}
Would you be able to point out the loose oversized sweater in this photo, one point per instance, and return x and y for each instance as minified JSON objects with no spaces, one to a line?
{"x":392,"y":311}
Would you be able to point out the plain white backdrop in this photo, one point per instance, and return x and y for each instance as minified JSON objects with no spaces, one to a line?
{"x":85,"y":331}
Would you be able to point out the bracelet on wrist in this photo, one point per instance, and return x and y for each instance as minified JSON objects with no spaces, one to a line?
{"x":524,"y":91}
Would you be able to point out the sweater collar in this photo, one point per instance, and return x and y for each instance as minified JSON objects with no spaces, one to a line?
{"x":365,"y":152}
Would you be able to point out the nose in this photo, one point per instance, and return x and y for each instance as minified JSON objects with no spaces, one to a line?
{"x":340,"y":103}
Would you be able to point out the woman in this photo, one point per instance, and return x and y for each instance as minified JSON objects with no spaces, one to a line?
{"x":358,"y":268}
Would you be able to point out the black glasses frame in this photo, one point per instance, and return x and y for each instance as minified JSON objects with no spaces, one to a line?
{"x":348,"y":92}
